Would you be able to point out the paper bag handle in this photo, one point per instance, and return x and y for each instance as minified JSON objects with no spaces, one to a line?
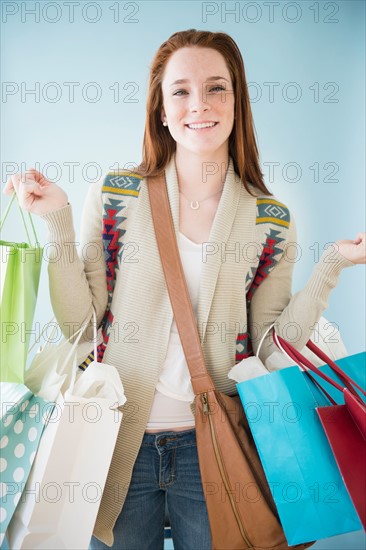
{"x":5,"y":215}
{"x":307,"y":365}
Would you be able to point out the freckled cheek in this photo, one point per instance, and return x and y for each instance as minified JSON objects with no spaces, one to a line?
{"x":225,"y":106}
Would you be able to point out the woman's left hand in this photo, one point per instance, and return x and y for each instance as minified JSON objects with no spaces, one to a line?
{"x":355,"y":251}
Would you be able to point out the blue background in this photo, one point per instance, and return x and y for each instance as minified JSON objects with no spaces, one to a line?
{"x":313,"y":54}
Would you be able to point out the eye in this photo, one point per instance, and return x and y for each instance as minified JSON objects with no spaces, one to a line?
{"x":217,"y":88}
{"x":178,"y":92}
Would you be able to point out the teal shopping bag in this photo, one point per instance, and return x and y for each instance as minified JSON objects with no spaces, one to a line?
{"x":20,"y":265}
{"x":343,"y":421}
{"x":354,"y":366}
{"x":307,"y":487}
{"x":23,"y":417}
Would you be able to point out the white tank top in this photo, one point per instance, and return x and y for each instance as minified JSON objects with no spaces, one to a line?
{"x":174,"y":392}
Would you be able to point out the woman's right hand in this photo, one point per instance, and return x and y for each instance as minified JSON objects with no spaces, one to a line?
{"x":36,"y":194}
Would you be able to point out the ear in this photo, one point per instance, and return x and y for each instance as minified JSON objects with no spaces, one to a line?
{"x":162,"y":116}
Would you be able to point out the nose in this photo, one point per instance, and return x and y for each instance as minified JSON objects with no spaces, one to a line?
{"x":199,"y":102}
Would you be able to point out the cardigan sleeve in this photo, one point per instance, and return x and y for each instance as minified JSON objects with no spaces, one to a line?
{"x":294,"y":315}
{"x":77,"y":270}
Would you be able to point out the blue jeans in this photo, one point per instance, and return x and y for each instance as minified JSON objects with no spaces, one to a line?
{"x":166,"y":470}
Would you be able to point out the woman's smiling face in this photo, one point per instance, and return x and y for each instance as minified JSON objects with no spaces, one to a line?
{"x":197,"y":89}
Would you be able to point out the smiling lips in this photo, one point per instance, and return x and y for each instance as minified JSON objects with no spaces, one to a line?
{"x":201,"y":125}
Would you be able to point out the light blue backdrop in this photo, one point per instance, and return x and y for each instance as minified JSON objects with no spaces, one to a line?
{"x":87,"y":65}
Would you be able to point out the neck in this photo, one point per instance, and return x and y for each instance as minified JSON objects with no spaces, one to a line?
{"x":201,"y":175}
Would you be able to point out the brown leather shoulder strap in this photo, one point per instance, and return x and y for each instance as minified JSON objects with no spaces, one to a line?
{"x":176,"y":283}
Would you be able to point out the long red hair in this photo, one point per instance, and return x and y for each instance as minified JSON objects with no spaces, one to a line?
{"x":159,"y":146}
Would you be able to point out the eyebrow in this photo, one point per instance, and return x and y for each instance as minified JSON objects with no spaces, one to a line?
{"x":183,"y":80}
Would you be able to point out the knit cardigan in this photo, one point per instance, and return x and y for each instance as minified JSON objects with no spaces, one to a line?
{"x":245,"y":286}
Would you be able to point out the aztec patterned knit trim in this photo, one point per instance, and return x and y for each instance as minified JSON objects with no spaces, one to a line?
{"x":273,"y":213}
{"x":117,"y":191}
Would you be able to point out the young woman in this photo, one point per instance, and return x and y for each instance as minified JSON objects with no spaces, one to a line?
{"x":234,"y":239}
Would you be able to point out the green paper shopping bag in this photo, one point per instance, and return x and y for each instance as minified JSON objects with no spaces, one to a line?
{"x":20,"y":267}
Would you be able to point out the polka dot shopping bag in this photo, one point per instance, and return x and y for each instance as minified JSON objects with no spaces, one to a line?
{"x":23,"y":418}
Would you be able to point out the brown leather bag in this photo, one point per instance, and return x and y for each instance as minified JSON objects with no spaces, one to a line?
{"x":240,"y":506}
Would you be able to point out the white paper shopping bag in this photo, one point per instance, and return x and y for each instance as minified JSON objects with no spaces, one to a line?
{"x":60,"y":502}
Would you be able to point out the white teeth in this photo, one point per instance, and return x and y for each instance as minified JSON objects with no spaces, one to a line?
{"x":203,"y":125}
